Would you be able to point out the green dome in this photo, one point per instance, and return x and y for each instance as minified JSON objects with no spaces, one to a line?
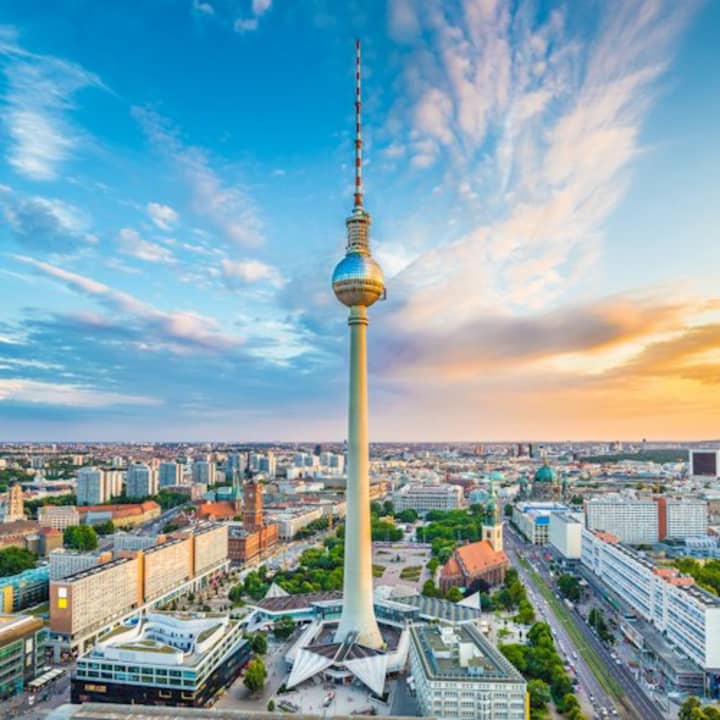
{"x":545,"y":474}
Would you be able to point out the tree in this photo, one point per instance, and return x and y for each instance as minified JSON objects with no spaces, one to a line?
{"x":569,"y":587}
{"x":255,"y":676}
{"x":407,"y":516}
{"x":526,"y":613}
{"x":105,"y":528}
{"x":80,"y":537}
{"x":271,"y":705}
{"x":539,"y":694}
{"x":691,"y":710}
{"x":433,"y":564}
{"x":283,"y":627}
{"x":14,"y":560}
{"x":430,"y":589}
{"x":259,"y":643}
{"x":454,"y":595}
{"x":517,"y":655}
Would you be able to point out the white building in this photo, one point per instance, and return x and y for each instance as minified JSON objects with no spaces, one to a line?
{"x":170,"y":473}
{"x":141,"y":481}
{"x":687,"y":615}
{"x":565,"y":534}
{"x":292,"y":522}
{"x":532,"y":519}
{"x":58,"y":516}
{"x":91,"y":489}
{"x":113,"y":482}
{"x":635,"y":522}
{"x":685,"y":517}
{"x":458,"y":674}
{"x":422,"y":497}
{"x":64,"y":563}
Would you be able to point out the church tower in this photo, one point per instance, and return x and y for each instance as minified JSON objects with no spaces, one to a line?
{"x":492,"y":529}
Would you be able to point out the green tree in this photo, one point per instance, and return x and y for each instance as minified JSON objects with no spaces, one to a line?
{"x":526,"y":613}
{"x":105,"y":528}
{"x":433,"y":564}
{"x":80,"y":537}
{"x":690,"y":709}
{"x":259,"y":643}
{"x":429,"y":589}
{"x":283,"y":627}
{"x":255,"y":676}
{"x":569,"y":587}
{"x":271,"y":705}
{"x":517,"y":655}
{"x":454,"y":595}
{"x":539,"y":694}
{"x":14,"y":560}
{"x":407,"y":516}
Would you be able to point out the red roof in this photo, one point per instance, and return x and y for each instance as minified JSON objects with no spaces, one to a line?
{"x":219,"y":510}
{"x":474,"y":559}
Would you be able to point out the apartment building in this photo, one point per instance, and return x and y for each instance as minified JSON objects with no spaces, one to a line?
{"x":64,"y":563}
{"x":687,"y":615}
{"x":210,"y":547}
{"x":166,"y":565}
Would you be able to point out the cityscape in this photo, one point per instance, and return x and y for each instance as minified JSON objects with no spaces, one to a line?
{"x":464,"y":465}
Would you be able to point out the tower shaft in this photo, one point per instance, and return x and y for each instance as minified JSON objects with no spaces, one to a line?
{"x":358,"y":613}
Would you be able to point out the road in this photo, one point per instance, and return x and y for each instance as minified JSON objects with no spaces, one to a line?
{"x":588,"y":684}
{"x":640,"y":705}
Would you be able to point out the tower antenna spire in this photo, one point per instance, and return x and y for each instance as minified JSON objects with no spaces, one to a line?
{"x":358,"y":205}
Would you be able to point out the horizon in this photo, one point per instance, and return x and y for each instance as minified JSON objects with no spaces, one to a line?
{"x":542,"y":178}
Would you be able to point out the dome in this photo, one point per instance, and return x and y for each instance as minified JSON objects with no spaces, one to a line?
{"x":358,"y":280}
{"x":545,"y":474}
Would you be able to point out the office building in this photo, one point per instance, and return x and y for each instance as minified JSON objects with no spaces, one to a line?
{"x":532,"y":519}
{"x":458,"y":674}
{"x":687,"y":615}
{"x":24,"y":590}
{"x":167,"y":564}
{"x":166,"y":659}
{"x":565,"y":534}
{"x":58,"y":516}
{"x":68,"y":562}
{"x":22,"y":652}
{"x":141,"y":481}
{"x":705,"y":464}
{"x":210,"y":547}
{"x":290,"y":522}
{"x":267,"y":464}
{"x":421,"y":497}
{"x":170,"y":473}
{"x":91,"y":488}
{"x":647,"y":521}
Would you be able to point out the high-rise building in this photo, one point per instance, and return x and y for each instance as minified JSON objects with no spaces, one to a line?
{"x":358,"y":283}
{"x":267,"y":464}
{"x":170,"y":473}
{"x":203,"y":471}
{"x":91,"y":488}
{"x":113,"y":482}
{"x":141,"y":481}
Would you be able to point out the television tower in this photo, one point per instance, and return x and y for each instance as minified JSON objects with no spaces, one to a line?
{"x":358,"y":283}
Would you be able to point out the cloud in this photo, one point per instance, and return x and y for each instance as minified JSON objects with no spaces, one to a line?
{"x":542,"y":125}
{"x":162,"y":215}
{"x":46,"y":224}
{"x":245,"y":25}
{"x":403,"y":22}
{"x":228,"y":207}
{"x":179,"y":331}
{"x":22,"y":390}
{"x":260,"y":7}
{"x":38,"y":104}
{"x":131,"y":243}
{"x":203,"y":7}
{"x":247,"y":272}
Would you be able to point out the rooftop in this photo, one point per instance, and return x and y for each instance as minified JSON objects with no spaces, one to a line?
{"x":461,"y":653}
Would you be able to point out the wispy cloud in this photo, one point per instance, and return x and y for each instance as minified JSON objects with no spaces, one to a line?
{"x":248,"y":272}
{"x":180,"y":331}
{"x":249,"y":24}
{"x":229,"y":208}
{"x":162,"y":215}
{"x":37,"y":107}
{"x":541,"y":125}
{"x":23,"y":390}
{"x":203,"y":7}
{"x":131,"y":243}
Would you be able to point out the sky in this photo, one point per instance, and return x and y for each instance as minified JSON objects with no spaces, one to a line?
{"x":544,"y":183}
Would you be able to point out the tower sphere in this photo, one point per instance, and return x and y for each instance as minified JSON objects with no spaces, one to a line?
{"x":358,"y":280}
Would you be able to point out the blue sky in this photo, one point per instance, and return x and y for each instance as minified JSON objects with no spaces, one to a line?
{"x":543,"y":179}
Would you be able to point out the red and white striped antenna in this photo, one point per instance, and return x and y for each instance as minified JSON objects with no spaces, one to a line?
{"x":358,"y":132}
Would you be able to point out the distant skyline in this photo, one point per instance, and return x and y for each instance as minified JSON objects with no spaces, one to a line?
{"x":544,"y":182}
